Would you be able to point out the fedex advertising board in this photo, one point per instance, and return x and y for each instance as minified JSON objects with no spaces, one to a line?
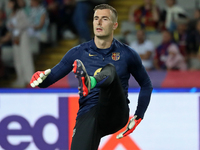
{"x":44,"y":121}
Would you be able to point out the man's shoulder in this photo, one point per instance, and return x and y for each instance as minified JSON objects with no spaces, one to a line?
{"x":76,"y":49}
{"x":82,"y":46}
{"x":126,"y":50}
{"x":122,"y":46}
{"x":87,"y":44}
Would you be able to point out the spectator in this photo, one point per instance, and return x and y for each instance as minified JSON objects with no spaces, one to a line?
{"x":194,"y":63}
{"x":66,"y":26}
{"x":52,"y":7}
{"x":23,"y":61}
{"x":81,"y":13}
{"x":175,"y":60}
{"x":146,"y":16}
{"x":4,"y":33}
{"x":39,"y":20}
{"x":193,"y":41}
{"x":82,"y":10}
{"x":3,"y":4}
{"x":22,"y":5}
{"x":192,"y":23}
{"x":4,"y":40}
{"x":180,"y":36}
{"x":161,"y":53}
{"x":144,"y":48}
{"x":170,"y":15}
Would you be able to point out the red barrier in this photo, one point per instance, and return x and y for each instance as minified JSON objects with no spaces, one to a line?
{"x":183,"y":79}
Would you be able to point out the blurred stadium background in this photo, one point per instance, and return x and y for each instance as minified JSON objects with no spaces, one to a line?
{"x":43,"y":119}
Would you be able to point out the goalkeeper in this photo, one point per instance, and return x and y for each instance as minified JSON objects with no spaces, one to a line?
{"x":102,"y":67}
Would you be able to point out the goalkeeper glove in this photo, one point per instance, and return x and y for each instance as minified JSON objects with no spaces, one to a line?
{"x":39,"y":77}
{"x":130,"y":128}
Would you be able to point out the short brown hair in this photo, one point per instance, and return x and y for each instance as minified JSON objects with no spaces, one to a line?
{"x":106,"y":6}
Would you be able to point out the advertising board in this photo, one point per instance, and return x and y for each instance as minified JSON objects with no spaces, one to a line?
{"x":45,"y":121}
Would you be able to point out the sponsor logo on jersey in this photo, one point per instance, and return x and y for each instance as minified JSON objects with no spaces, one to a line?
{"x":115,"y":56}
{"x":92,"y":55}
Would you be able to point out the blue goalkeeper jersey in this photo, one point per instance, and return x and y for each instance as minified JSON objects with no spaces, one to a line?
{"x":125,"y":60}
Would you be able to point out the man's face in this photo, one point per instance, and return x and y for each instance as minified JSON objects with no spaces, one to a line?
{"x":21,"y":3}
{"x":10,"y":5}
{"x":197,"y":14}
{"x":148,"y":1}
{"x":166,"y":37}
{"x":182,"y":27}
{"x":170,"y":2}
{"x":140,"y":35}
{"x":34,"y":3}
{"x":103,"y":23}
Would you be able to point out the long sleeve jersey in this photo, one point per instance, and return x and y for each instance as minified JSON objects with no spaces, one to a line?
{"x":126,"y":61}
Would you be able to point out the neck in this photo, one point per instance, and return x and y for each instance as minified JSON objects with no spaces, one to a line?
{"x":103,"y":43}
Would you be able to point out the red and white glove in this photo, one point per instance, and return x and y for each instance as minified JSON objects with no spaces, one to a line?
{"x":39,"y":77}
{"x":130,"y":128}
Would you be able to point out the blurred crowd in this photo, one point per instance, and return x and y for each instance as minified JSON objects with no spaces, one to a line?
{"x":28,"y":25}
{"x":177,"y":32}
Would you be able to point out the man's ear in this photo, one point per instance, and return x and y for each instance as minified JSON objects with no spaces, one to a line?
{"x":115,"y":25}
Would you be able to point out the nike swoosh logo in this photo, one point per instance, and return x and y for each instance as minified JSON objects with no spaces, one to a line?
{"x":92,"y":55}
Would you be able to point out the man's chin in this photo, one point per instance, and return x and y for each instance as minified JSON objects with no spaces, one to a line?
{"x":101,"y":36}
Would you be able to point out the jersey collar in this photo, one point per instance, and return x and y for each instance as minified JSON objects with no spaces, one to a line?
{"x":103,"y":51}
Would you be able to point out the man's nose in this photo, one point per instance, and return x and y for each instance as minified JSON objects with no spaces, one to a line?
{"x":99,"y":21}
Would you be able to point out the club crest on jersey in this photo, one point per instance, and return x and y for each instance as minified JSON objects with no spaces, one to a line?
{"x":115,"y":56}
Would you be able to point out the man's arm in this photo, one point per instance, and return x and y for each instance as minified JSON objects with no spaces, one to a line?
{"x":61,"y":69}
{"x":137,"y":70}
{"x":42,"y":22}
{"x":146,"y":56}
{"x":5,"y":38}
{"x":139,"y":73}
